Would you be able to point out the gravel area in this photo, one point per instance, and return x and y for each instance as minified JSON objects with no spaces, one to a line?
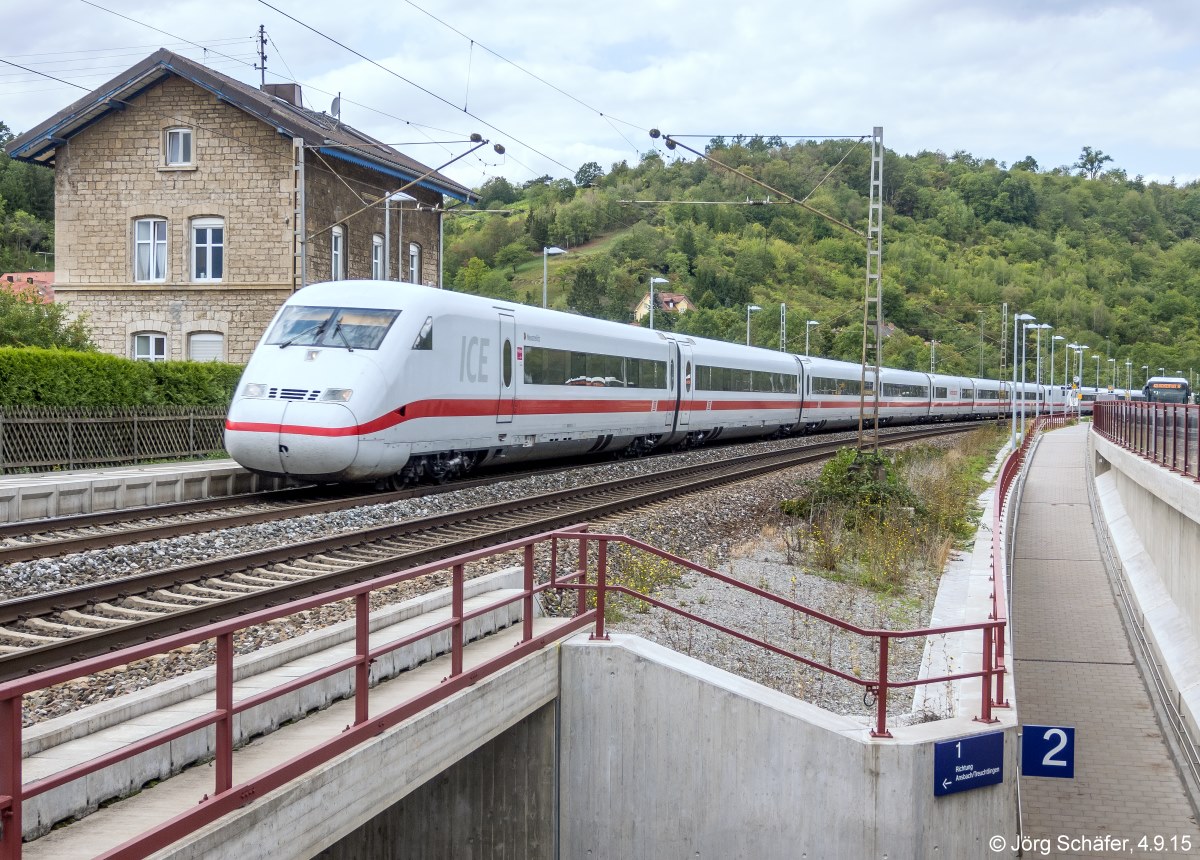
{"x":735,"y":529}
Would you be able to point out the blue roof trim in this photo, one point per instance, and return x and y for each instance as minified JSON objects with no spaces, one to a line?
{"x":390,"y":171}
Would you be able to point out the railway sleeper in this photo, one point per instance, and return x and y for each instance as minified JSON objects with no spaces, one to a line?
{"x":27,"y":640}
{"x":205,"y":591}
{"x":261,"y":582}
{"x":88,"y":618}
{"x":163,"y":606}
{"x":56,"y":628}
{"x":185,"y":599}
{"x":126,"y":612}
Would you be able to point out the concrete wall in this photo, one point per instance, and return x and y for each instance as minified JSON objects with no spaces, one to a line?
{"x":1153,"y":520}
{"x":497,"y":803}
{"x":664,"y":756}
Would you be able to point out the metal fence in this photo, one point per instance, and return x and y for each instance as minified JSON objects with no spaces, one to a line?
{"x":1164,"y":433}
{"x":46,"y":440}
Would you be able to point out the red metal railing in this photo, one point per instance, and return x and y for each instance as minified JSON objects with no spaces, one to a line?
{"x":228,"y":796}
{"x":1164,"y":433}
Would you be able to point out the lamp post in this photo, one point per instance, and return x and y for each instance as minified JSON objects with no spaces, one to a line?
{"x":1162,"y":371}
{"x":1012,"y":437}
{"x":1145,"y":373}
{"x":749,"y":310}
{"x":654,"y":280}
{"x":1052,"y":340}
{"x":1024,"y":376}
{"x":1096,"y":358}
{"x":1128,"y":377}
{"x":1113,"y":362}
{"x":1037,"y":376}
{"x":807,"y":328}
{"x":1082,"y":349}
{"x":547,"y":253}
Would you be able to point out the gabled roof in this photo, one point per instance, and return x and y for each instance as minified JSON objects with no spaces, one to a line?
{"x":319,"y":131}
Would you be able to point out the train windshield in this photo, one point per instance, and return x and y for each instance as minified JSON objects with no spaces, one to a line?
{"x":349,"y":328}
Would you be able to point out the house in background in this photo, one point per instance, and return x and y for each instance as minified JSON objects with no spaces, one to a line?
{"x":189,"y":206}
{"x":40,"y":284}
{"x":675,"y":303}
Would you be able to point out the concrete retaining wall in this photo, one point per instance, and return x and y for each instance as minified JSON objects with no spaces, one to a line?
{"x":665,"y":756}
{"x":1153,"y":521}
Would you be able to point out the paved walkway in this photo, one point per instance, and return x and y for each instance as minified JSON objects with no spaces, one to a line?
{"x":1074,"y":667}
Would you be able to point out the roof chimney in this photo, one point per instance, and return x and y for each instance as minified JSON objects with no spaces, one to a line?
{"x":290,"y":93}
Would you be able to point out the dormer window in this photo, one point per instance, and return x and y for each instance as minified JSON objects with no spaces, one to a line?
{"x":179,"y":147}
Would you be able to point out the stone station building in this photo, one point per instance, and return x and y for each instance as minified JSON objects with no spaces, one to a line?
{"x":189,"y":206}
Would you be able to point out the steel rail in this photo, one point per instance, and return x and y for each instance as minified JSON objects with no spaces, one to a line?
{"x":498,"y":523}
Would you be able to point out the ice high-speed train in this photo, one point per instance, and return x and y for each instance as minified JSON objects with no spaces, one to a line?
{"x":392,"y":382}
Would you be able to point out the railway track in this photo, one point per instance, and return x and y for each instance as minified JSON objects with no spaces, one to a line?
{"x":46,"y":630}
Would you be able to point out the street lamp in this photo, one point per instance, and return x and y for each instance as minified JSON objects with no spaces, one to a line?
{"x":1113,"y":362}
{"x":1012,"y":438}
{"x":1128,"y":376}
{"x":1052,"y":340}
{"x":1096,"y":358}
{"x":654,"y":280}
{"x":1037,"y":376}
{"x":749,"y":309}
{"x":1145,"y":373}
{"x":1162,"y":371}
{"x":1024,"y":376}
{"x":807,"y":328}
{"x":547,"y":253}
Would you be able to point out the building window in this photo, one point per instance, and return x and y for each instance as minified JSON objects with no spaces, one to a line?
{"x":414,"y":263}
{"x":149,"y":346}
{"x":206,"y":346}
{"x":377,"y":257}
{"x":150,"y":250}
{"x":208,"y":249}
{"x":179,"y":147}
{"x":337,"y":253}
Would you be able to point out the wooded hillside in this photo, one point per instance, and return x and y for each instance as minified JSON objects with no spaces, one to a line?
{"x":1110,"y":261}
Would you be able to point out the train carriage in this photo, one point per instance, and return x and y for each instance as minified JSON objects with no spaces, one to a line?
{"x":904,"y":396}
{"x":951,"y":397}
{"x":832,"y":393}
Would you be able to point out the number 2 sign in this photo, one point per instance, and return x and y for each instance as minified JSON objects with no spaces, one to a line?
{"x":1048,"y":751}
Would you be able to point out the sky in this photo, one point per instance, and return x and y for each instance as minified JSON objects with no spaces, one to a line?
{"x":561,"y":84}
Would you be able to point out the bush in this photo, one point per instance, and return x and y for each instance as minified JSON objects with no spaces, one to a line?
{"x":60,"y":378}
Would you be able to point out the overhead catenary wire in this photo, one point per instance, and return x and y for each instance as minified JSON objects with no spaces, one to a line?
{"x":412,"y":83}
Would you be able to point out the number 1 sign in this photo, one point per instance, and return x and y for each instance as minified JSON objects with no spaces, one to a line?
{"x":1048,"y":751}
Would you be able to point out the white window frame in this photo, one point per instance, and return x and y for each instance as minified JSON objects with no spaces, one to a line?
{"x":156,"y":341}
{"x":337,"y":254}
{"x":207,"y":247}
{"x":210,"y":337}
{"x":186,"y":141}
{"x":154,"y":241}
{"x":414,"y":263}
{"x":377,"y":257}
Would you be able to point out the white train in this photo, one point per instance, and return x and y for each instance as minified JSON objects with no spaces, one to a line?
{"x":391,"y":382}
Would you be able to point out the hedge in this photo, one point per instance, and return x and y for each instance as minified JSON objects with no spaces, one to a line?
{"x":52,"y":377}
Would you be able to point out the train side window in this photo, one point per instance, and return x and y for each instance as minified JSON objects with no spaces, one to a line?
{"x":425,"y":335}
{"x":507,"y":361}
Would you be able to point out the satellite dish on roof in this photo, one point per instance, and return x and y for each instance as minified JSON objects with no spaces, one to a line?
{"x":336,"y":107}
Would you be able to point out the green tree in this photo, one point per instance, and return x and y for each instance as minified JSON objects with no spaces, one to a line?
{"x":1091,"y":162}
{"x":26,"y":320}
{"x":588,"y":174}
{"x":512,"y":255}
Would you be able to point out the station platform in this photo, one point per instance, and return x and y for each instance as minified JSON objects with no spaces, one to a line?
{"x":1074,"y":666}
{"x":40,"y":495}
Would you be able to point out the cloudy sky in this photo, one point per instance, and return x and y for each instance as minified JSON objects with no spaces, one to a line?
{"x":563,"y":83}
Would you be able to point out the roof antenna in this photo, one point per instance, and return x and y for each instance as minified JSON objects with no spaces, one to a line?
{"x":262,"y":54}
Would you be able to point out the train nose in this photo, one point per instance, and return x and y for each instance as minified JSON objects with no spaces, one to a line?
{"x":310,"y":441}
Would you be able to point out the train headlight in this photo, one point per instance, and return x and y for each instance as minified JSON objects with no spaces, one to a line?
{"x":340,"y":395}
{"x":254,"y":389}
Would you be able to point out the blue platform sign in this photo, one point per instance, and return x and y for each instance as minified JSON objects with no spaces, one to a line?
{"x":966,"y":763}
{"x":1048,"y":751}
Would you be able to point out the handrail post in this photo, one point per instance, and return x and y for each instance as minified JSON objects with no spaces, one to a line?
{"x":527,"y":601}
{"x":581,"y":578}
{"x":999,"y":700}
{"x":362,"y":648}
{"x":985,"y":699}
{"x":456,"y":610}
{"x":224,"y":726}
{"x":553,"y":561}
{"x":1174,"y":437}
{"x":881,"y":729}
{"x":601,"y":584}
{"x":10,"y":777}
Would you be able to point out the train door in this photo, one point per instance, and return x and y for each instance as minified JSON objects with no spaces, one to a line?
{"x":507,"y":399}
{"x":687,"y":377}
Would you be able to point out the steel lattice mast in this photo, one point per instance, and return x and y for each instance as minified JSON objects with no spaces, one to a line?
{"x":872,"y":359}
